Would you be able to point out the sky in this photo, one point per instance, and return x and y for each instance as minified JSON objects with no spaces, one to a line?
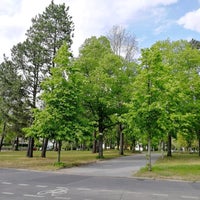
{"x":148,"y":20}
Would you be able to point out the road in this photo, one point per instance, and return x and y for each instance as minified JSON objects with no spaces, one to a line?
{"x":93,"y":184}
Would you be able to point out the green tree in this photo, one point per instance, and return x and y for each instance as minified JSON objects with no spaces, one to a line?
{"x":50,"y":29}
{"x":146,"y":107}
{"x":13,"y":100}
{"x":35,"y":56}
{"x":99,"y":67}
{"x":61,"y":118}
{"x":124,"y":45}
{"x":182,"y":61}
{"x":161,"y":103}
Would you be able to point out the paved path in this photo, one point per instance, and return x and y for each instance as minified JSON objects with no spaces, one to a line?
{"x":125,"y":166}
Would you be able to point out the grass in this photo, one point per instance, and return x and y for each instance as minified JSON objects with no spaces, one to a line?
{"x":180,"y":167}
{"x":18,"y":159}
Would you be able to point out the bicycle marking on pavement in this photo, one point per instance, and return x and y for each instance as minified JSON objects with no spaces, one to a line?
{"x":64,"y":193}
{"x":55,"y":192}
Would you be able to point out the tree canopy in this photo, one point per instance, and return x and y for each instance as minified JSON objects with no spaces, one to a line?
{"x":105,"y":97}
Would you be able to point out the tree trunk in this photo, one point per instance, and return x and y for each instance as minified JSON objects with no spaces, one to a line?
{"x":162,"y":148}
{"x":169,"y":145}
{"x":59,"y":150}
{"x":44,"y":147}
{"x":101,"y":129}
{"x":149,"y":153}
{"x":118,"y":140}
{"x":199,"y":142}
{"x":3,"y":135}
{"x":121,"y":151}
{"x":94,"y":148}
{"x":133,"y":144}
{"x":16,"y":144}
{"x":56,"y":146}
{"x":30,"y":147}
{"x":100,"y":145}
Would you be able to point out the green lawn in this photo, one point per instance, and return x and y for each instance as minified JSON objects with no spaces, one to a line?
{"x":18,"y":159}
{"x":180,"y":167}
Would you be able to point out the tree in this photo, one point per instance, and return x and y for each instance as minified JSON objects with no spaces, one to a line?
{"x":35,"y":56}
{"x":50,"y":29}
{"x":124,"y":45}
{"x":122,"y":42}
{"x":61,"y":118}
{"x":145,"y":107}
{"x":13,"y":100}
{"x":99,"y":67}
{"x":182,"y":61}
{"x":164,"y":90}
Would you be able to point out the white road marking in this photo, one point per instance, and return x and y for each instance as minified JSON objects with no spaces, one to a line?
{"x":189,"y":197}
{"x":6,"y":183}
{"x":7,"y":193}
{"x":23,"y":184}
{"x":84,"y":189}
{"x":41,"y":186}
{"x":162,"y":195}
{"x":55,"y":192}
{"x":105,"y":190}
{"x":138,"y":193}
{"x":66,"y":198}
{"x":31,"y":195}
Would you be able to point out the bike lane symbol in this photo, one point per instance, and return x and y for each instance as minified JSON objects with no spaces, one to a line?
{"x":58,"y":191}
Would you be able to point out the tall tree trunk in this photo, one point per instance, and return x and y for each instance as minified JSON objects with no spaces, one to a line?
{"x":30,"y":147}
{"x":101,"y":129}
{"x":169,"y":145}
{"x":100,"y":145}
{"x":44,"y":147}
{"x":149,"y":153}
{"x":16,"y":144}
{"x":3,"y":135}
{"x":162,"y":148}
{"x":199,"y":142}
{"x":59,"y":150}
{"x":118,"y":139}
{"x":94,"y":147}
{"x":56,"y":146}
{"x":121,"y":151}
{"x":133,"y":144}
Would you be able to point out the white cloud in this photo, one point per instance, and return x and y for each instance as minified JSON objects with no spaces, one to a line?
{"x":91,"y":17}
{"x":15,"y":19}
{"x":191,"y":20}
{"x":96,"y":17}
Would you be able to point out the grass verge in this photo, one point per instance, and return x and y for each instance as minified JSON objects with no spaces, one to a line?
{"x":178,"y":167}
{"x":18,"y":159}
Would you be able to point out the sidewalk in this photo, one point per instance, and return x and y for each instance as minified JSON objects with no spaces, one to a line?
{"x":125,"y":166}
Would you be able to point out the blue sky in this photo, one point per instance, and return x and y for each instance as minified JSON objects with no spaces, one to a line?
{"x":148,"y":20}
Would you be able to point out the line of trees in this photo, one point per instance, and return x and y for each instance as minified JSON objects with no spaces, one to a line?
{"x":102,"y":97}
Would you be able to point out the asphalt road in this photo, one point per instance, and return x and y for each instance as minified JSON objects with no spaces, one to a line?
{"x":75,"y":184}
{"x":125,"y":166}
